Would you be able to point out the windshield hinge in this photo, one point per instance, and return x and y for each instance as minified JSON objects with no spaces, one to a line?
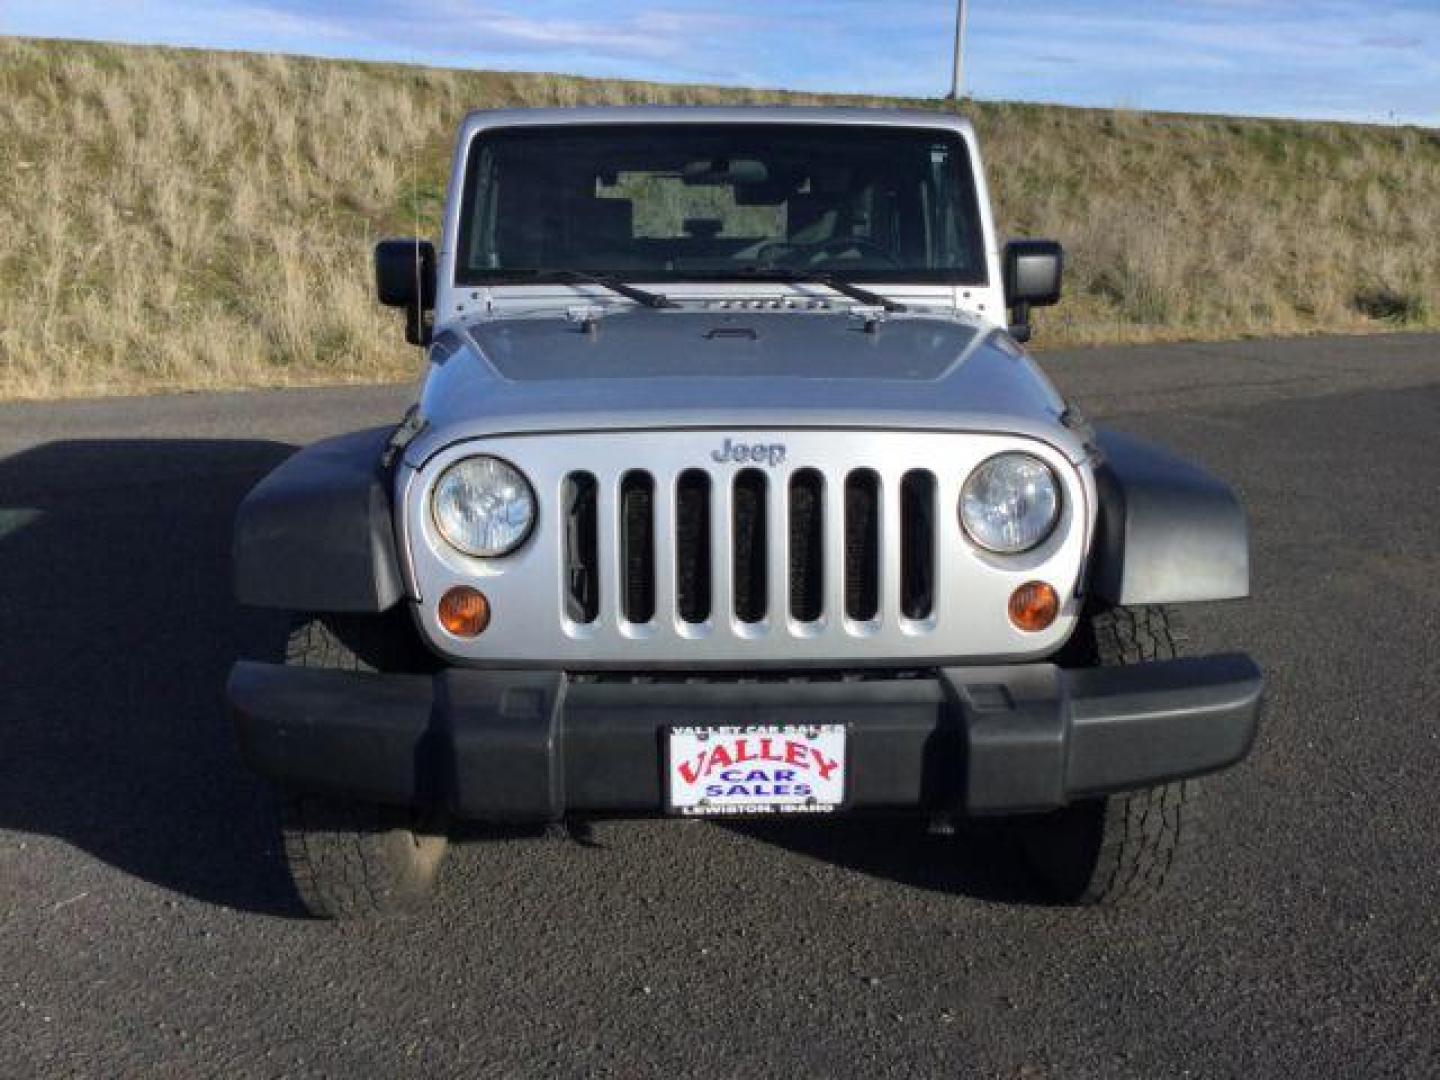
{"x":871,"y":315}
{"x":1076,"y":421}
{"x":410,"y":426}
{"x":587,"y":316}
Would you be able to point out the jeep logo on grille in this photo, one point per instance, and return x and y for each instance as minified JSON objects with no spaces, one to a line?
{"x":742,"y":453}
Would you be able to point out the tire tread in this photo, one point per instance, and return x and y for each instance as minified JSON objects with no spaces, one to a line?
{"x":349,"y":859}
{"x":1124,"y":847}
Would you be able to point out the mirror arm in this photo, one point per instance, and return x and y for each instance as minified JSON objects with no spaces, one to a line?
{"x":1020,"y":321}
{"x":418,"y":328}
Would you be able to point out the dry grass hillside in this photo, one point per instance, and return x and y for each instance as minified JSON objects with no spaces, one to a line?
{"x":175,"y":219}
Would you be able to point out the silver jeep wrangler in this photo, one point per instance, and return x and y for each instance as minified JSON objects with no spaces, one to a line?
{"x":730,"y":491}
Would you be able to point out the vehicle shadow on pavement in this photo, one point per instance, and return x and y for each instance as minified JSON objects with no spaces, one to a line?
{"x":979,"y":860}
{"x":119,"y":628}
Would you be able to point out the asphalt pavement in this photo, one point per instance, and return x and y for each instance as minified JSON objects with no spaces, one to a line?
{"x":146,"y":929}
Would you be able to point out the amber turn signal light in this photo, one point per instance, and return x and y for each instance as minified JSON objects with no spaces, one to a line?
{"x":464,"y":611}
{"x":1034,"y":606}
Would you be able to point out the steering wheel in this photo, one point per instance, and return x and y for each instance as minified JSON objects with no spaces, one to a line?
{"x":773,"y":251}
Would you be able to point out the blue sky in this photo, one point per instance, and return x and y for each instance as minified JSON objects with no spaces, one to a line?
{"x":1376,"y":60}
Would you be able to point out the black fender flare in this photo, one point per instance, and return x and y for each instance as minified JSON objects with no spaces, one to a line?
{"x":1168,"y":531}
{"x":317,"y":534}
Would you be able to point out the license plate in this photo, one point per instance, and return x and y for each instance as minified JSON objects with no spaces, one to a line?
{"x":756,"y":770}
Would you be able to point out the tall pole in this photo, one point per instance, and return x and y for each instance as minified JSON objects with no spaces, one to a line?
{"x":957,"y":80}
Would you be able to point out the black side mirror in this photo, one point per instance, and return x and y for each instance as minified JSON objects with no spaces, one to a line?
{"x":1033,"y":269}
{"x":405,"y":278}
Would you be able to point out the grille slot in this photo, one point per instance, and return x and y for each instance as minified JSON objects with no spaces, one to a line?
{"x":807,"y":545}
{"x":862,"y":545}
{"x":917,"y":544}
{"x":582,"y":558}
{"x":692,"y":546}
{"x":637,"y":545}
{"x":750,"y":562}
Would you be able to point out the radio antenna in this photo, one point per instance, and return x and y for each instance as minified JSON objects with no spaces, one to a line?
{"x":415,"y":237}
{"x":957,"y":73}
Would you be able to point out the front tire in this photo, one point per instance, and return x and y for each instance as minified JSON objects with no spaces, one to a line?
{"x":356,"y":860}
{"x":350,"y":859}
{"x":1122,"y":847}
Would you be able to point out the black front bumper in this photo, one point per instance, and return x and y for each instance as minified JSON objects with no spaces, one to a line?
{"x":536,"y":746}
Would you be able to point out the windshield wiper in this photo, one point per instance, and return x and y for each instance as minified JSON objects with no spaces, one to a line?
{"x":830,"y":281}
{"x":584,"y":277}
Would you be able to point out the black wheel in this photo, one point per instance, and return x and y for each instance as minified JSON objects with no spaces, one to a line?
{"x":1124,"y":847}
{"x":354,"y":860}
{"x":359,"y":642}
{"x":351,"y":859}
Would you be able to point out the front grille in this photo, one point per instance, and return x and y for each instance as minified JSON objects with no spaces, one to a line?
{"x":697,"y":546}
{"x":762,"y":549}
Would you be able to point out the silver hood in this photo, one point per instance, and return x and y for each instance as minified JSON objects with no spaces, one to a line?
{"x":719,"y":368}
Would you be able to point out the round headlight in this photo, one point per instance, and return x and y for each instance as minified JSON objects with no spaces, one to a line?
{"x":1010,"y":503}
{"x":483,"y":506}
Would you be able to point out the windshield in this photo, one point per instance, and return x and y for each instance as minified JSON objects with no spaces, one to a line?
{"x":715,"y":202}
